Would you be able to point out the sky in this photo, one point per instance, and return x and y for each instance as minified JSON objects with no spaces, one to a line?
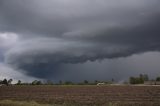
{"x":79,"y":40}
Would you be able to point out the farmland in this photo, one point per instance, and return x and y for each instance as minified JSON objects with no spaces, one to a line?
{"x":84,"y":95}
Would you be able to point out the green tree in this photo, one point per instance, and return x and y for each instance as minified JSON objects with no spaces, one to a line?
{"x":69,"y":83}
{"x":136,"y":80}
{"x":140,"y":80}
{"x":158,"y":79}
{"x":5,"y":82}
{"x":132,"y":80}
{"x":49,"y":82}
{"x":39,"y":83}
{"x":10,"y":81}
{"x":60,"y":82}
{"x":96,"y":82}
{"x":86,"y":82}
{"x":34,"y":82}
{"x":146,"y":78}
{"x":19,"y":82}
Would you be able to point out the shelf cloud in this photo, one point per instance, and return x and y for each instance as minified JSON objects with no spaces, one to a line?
{"x":39,"y":37}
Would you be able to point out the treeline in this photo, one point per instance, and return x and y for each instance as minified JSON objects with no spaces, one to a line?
{"x":132,"y":80}
{"x":141,"y":79}
{"x":6,"y":82}
{"x":35,"y":82}
{"x":49,"y":82}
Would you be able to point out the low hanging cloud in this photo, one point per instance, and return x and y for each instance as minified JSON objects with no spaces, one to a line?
{"x":53,"y":33}
{"x":7,"y":41}
{"x":46,"y":54}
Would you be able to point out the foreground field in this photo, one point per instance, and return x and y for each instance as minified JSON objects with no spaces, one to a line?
{"x":82,"y":95}
{"x":20,"y":103}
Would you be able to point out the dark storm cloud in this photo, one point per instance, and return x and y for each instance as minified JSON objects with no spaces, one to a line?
{"x":48,"y":54}
{"x":57,"y":17}
{"x":70,"y":32}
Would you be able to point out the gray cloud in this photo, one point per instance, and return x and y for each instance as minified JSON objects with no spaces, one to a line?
{"x":53,"y":33}
{"x":41,"y":54}
{"x":57,"y":17}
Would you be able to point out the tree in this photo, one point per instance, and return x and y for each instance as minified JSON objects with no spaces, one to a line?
{"x":96,"y":82}
{"x":39,"y":83}
{"x":144,"y":77}
{"x":10,"y":81}
{"x":0,"y":81}
{"x":69,"y":83}
{"x":49,"y":82}
{"x":19,"y":82}
{"x":140,"y":80}
{"x":34,"y":82}
{"x":158,"y":79}
{"x":60,"y":82}
{"x":86,"y":82}
{"x":5,"y":82}
{"x":132,"y":80}
{"x":136,"y":80}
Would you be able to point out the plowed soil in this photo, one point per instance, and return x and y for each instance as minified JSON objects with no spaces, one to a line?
{"x":82,"y":94}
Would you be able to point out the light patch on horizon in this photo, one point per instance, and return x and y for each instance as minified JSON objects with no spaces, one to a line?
{"x":9,"y":73}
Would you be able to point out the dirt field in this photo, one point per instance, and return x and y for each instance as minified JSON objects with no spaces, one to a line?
{"x":84,"y":95}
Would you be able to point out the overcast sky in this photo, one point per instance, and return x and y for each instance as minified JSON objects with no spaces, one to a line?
{"x":79,"y":39}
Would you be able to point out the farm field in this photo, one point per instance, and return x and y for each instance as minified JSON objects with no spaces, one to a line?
{"x":83,"y":95}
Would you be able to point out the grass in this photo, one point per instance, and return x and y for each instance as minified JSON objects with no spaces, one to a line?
{"x":32,"y":103}
{"x":20,"y":103}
